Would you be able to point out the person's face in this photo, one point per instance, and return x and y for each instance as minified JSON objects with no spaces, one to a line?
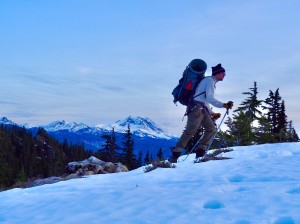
{"x":220,"y":76}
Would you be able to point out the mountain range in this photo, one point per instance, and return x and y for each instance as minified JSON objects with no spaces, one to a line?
{"x":146,"y":135}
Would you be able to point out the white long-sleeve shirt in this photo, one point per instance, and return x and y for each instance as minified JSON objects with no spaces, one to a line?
{"x":208,"y":85}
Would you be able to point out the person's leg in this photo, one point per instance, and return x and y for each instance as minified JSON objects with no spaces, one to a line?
{"x":193,"y":123}
{"x":209,"y":130}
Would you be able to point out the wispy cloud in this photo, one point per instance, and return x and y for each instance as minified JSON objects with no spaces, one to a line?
{"x":3,"y":102}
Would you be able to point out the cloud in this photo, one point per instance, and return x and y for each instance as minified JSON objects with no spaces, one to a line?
{"x":8,"y":102}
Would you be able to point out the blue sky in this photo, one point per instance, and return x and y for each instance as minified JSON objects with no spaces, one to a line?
{"x":100,"y":61}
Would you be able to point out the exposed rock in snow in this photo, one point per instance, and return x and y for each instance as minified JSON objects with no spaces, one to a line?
{"x":92,"y":166}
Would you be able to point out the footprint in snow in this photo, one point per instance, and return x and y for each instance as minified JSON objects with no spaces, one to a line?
{"x":284,"y":220}
{"x":213,"y":204}
{"x":294,"y":191}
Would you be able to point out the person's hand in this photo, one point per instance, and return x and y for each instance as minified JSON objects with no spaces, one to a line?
{"x":228,"y":105}
{"x":215,"y":116}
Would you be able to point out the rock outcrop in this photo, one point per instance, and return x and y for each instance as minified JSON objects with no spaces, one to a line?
{"x":92,"y":166}
{"x":86,"y":167}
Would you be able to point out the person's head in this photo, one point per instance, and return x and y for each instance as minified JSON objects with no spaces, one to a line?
{"x":218,"y":72}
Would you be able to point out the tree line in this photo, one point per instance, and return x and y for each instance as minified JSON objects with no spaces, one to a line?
{"x":111,"y":151}
{"x":258,"y":121}
{"x":24,"y":157}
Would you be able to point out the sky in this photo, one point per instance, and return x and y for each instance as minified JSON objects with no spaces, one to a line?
{"x":259,"y":185}
{"x":97,"y":62}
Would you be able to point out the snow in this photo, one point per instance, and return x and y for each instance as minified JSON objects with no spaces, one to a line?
{"x":63,"y":125}
{"x":260,"y":184}
{"x":143,"y":127}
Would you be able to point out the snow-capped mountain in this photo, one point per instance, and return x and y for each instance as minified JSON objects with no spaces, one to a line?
{"x":143,"y":127}
{"x":147,"y":136}
{"x":63,"y":125}
{"x":5,"y":121}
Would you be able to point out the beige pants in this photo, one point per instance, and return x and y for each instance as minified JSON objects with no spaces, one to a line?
{"x":196,"y":118}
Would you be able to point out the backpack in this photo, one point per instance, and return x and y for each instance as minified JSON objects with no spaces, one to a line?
{"x":191,"y":77}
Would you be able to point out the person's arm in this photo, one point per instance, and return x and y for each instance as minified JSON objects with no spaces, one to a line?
{"x":210,"y":94}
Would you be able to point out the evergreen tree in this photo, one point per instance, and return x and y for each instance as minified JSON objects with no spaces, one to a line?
{"x":241,"y":129}
{"x":282,"y":123}
{"x":140,"y":159}
{"x":250,"y":106}
{"x":21,"y":177}
{"x":108,"y":152}
{"x":292,"y":135}
{"x":147,"y":158}
{"x":23,"y":156}
{"x":263,"y":132}
{"x":277,"y":117}
{"x":160,"y":155}
{"x":273,"y":108}
{"x":151,"y":158}
{"x":128,"y":147}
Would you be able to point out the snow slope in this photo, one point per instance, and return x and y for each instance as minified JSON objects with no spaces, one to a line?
{"x":260,"y":184}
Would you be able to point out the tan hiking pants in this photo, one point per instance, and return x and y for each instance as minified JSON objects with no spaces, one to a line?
{"x":196,"y":118}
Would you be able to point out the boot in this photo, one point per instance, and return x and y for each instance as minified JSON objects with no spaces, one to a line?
{"x":200,"y":152}
{"x":174,"y":156}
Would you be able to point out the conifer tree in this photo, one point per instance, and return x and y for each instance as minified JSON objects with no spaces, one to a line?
{"x":263,"y":132}
{"x":108,"y":152}
{"x":128,"y":147}
{"x":282,"y":123}
{"x":292,"y":135}
{"x":160,"y":155}
{"x":151,"y":158}
{"x":147,"y":158}
{"x":272,"y":107}
{"x":248,"y":112}
{"x":140,"y":159}
{"x":241,"y":129}
{"x":250,"y":106}
{"x":23,"y":156}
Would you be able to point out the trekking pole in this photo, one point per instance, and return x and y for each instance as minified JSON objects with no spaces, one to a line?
{"x":211,"y":141}
{"x":217,"y":129}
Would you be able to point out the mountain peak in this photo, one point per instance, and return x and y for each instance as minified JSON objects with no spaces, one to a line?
{"x":5,"y":121}
{"x":139,"y":126}
{"x":145,"y":123}
{"x":63,"y":125}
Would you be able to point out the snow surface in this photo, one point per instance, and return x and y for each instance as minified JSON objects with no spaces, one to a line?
{"x":260,"y":184}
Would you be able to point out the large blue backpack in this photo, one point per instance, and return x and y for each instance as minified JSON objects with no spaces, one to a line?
{"x":191,"y":77}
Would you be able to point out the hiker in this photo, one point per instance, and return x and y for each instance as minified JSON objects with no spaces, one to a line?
{"x":199,"y":114}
